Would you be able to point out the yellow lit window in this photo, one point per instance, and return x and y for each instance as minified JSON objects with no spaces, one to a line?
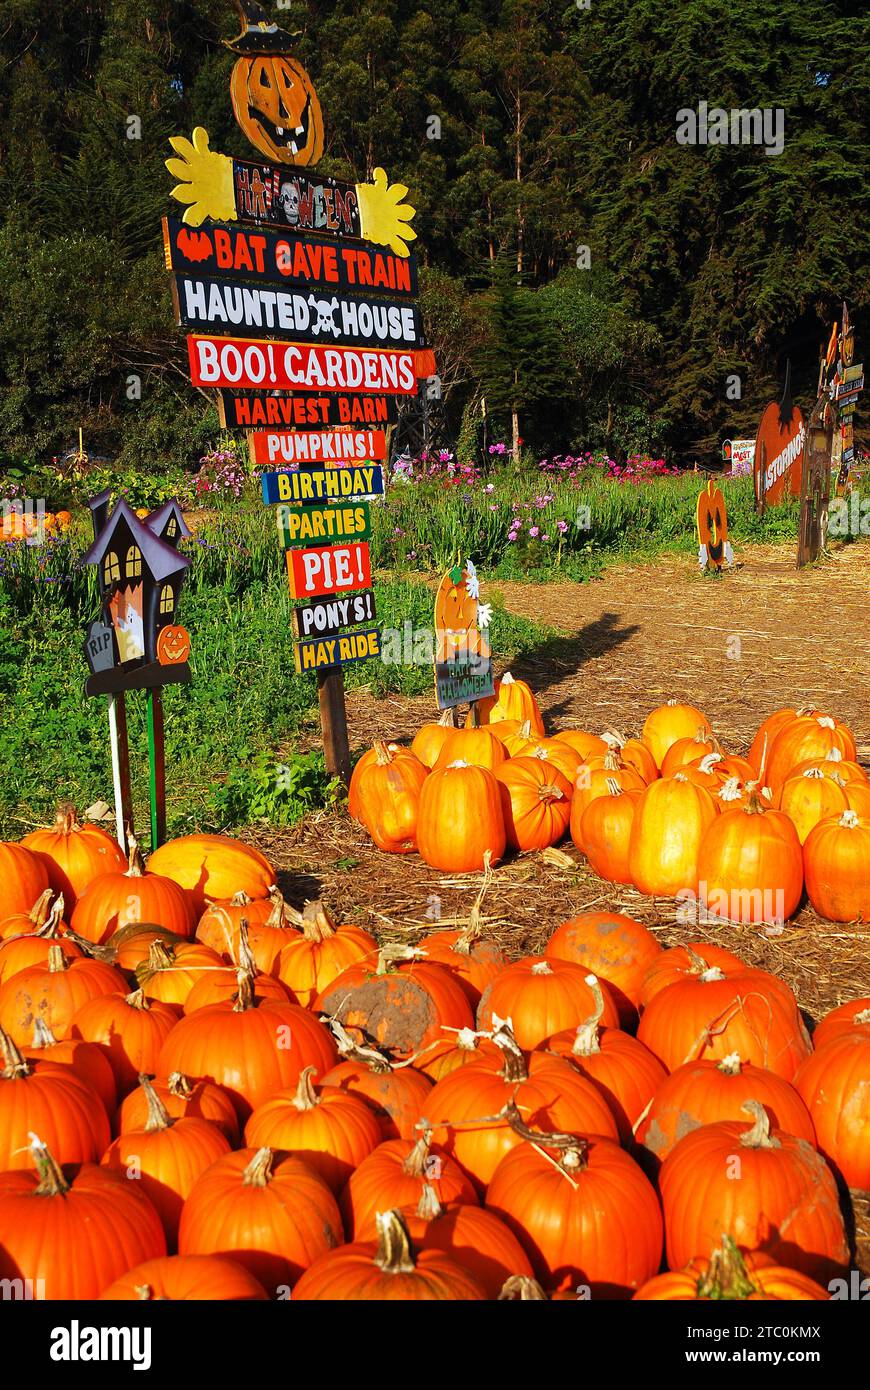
{"x":167,"y":599}
{"x":111,"y":568}
{"x":134,"y":562}
{"x":171,"y":528}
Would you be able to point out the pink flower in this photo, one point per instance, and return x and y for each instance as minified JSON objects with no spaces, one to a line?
{"x":533,"y":530}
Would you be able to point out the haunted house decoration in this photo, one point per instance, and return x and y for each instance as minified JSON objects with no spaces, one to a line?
{"x":136,"y":643}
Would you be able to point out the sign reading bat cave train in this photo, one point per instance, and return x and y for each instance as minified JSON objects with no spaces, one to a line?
{"x":299,"y":310}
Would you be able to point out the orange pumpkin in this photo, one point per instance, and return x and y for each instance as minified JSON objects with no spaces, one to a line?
{"x":536,"y":802}
{"x":516,"y":701}
{"x":20,"y":952}
{"x":171,"y":971}
{"x":542,"y":996}
{"x":354,"y":805}
{"x":616,"y":948}
{"x":75,"y":854}
{"x":837,"y":867}
{"x":633,"y":753}
{"x":272,"y":925}
{"x":806,"y":736}
{"x":180,"y":1096}
{"x":467,"y":955}
{"x":668,"y":723}
{"x":759,"y":751}
{"x":460,"y":818}
{"x":478,"y":747}
{"x":605,"y":831}
{"x":214,"y":867}
{"x":400,"y":1010}
{"x":54,"y":991}
{"x":184,"y":1278}
{"x":24,"y":877}
{"x":750,"y":865}
{"x":670,"y":820}
{"x":173,"y":645}
{"x":809,"y":797}
{"x":313,"y":958}
{"x":389,"y":796}
{"x":429,"y":739}
{"x":119,"y":899}
{"x":845,"y":1018}
{"x":833,"y":1082}
{"x":331,"y":1129}
{"x":587,"y":745}
{"x":595,"y":778}
{"x":733,"y":1276}
{"x":689,"y":750}
{"x":129,"y":1029}
{"x":276,"y":107}
{"x":394,"y":1175}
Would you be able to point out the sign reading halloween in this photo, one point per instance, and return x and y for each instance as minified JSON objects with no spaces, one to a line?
{"x":305,"y":446}
{"x":327,"y":616}
{"x":304,"y":525}
{"x":463,"y":660}
{"x":293,"y":260}
{"x":310,"y":487}
{"x":714,"y":547}
{"x":779,"y":445}
{"x":135,"y":643}
{"x":336,"y":651}
{"x":256,"y":410}
{"x":329,"y":569}
{"x":254,"y":363}
{"x":221,"y":306}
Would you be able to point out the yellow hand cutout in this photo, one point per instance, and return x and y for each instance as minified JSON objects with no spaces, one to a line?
{"x":205,"y":179}
{"x":384,"y":218}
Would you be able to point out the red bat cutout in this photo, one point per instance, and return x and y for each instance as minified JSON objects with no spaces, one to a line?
{"x":195,"y":246}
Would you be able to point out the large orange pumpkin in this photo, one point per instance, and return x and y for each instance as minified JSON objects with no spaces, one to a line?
{"x":74,"y":1057}
{"x":730,"y":1276}
{"x":759,"y":751}
{"x":850,"y":1017}
{"x":54,"y":991}
{"x":24,"y":877}
{"x":121,"y":898}
{"x":400,"y":1010}
{"x":331,"y":1129}
{"x":687,"y":962}
{"x":310,"y":961}
{"x":429,"y":739}
{"x":389,"y":795}
{"x":460,"y":819}
{"x":276,"y":106}
{"x":614,"y":947}
{"x":536,"y":802}
{"x":271,"y":926}
{"x":516,"y":701}
{"x":595,"y":778}
{"x":542,"y":995}
{"x":38,"y":1098}
{"x":394,"y":1175}
{"x":397,"y":1095}
{"x":810,"y":796}
{"x":20,"y":952}
{"x":476,"y":746}
{"x":180,"y":1278}
{"x":354,"y":805}
{"x":689,"y":750}
{"x":835,"y":1084}
{"x":837,"y":867}
{"x":182,"y":1097}
{"x":214,"y":867}
{"x":467,"y":954}
{"x":768,"y":1190}
{"x":668,"y":723}
{"x":806,"y":736}
{"x":750,"y":865}
{"x":605,"y":832}
{"x":75,"y":854}
{"x":472,"y":1236}
{"x":130,"y":1029}
{"x":586,"y":744}
{"x":669,"y":823}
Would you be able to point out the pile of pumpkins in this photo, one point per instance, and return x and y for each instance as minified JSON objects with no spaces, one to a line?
{"x":670,"y":812}
{"x":207,"y":1093}
{"x":21,"y":526}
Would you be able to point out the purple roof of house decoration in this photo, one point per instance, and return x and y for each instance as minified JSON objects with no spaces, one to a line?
{"x":157,"y":519}
{"x":162,"y":559}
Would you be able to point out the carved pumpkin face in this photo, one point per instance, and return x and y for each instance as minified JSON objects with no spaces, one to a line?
{"x":456,"y":630}
{"x":173,"y":645}
{"x":277,"y":108}
{"x":713,"y":524}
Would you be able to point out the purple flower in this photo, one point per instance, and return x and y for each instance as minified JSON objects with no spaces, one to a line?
{"x":533,"y":530}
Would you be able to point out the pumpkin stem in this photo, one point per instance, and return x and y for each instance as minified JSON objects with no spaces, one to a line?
{"x":414,"y":1166}
{"x":282,"y":914}
{"x":240,"y":899}
{"x":614,"y":738}
{"x":429,"y":1208}
{"x":42,"y":1034}
{"x":50,"y":927}
{"x":158,"y":1116}
{"x":52,"y":1182}
{"x":549,"y":792}
{"x":713,"y":975}
{"x":259,"y":1171}
{"x":726,"y":1276}
{"x":306,"y":1098}
{"x":514,"y":1069}
{"x":542,"y":967}
{"x":383,"y":756}
{"x":612,"y":761}
{"x":759,"y":1136}
{"x":849,"y":820}
{"x":57,"y":961}
{"x":161,"y":956}
{"x":358,"y":1052}
{"x":730,"y":789}
{"x":730,"y":1065}
{"x":135,"y":866}
{"x":244,"y":999}
{"x":863,"y":1016}
{"x":138,"y":1000}
{"x":317,"y":925}
{"x":708,"y":762}
{"x":586,"y":1043}
{"x":144,"y":1293}
{"x":395,"y":1254}
{"x":14,"y":1064}
{"x":521,"y":1288}
{"x":697,"y":962}
{"x":613,"y":787}
{"x":395,"y":951}
{"x":66,"y":819}
{"x":572,"y":1148}
{"x":40,"y":910}
{"x":754,"y":806}
{"x":180,"y":1085}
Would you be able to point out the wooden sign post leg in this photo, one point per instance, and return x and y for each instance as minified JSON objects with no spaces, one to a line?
{"x":157,"y":767}
{"x":333,"y":721}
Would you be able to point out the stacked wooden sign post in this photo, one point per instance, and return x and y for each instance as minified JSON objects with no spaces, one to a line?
{"x":297,"y":291}
{"x":841,"y":381}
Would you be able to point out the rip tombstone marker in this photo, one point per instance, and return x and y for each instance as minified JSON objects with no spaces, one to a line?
{"x":297,"y":290}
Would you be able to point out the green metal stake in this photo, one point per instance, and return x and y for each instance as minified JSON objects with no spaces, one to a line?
{"x":157,"y":769}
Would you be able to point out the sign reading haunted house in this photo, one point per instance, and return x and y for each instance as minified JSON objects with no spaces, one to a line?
{"x":136,"y":643}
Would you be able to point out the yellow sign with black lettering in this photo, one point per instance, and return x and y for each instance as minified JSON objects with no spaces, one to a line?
{"x":323,"y":525}
{"x":337,"y":651}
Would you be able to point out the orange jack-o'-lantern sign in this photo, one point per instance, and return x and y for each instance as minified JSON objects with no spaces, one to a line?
{"x":457,"y":620}
{"x":173,"y":645}
{"x":277,"y":108}
{"x":713,"y":527}
{"x":779,"y":449}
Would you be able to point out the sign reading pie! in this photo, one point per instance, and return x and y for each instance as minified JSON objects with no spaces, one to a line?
{"x":779,"y":446}
{"x":329,"y":569}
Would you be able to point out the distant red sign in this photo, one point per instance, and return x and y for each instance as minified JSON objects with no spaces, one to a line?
{"x":295,"y":447}
{"x":779,"y":454}
{"x":329,"y":569}
{"x":250,"y":363}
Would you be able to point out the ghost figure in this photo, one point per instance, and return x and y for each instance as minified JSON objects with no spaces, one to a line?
{"x":288,"y":201}
{"x":325,"y":311}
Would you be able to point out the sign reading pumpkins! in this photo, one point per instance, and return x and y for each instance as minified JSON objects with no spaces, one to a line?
{"x":779,"y":445}
{"x":463,"y":658}
{"x":302,"y":317}
{"x":714,"y":546}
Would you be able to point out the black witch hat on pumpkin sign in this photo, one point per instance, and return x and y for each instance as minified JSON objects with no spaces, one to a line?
{"x":273,"y":97}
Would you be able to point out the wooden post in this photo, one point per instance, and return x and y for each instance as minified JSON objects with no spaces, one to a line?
{"x":157,"y":768}
{"x":333,"y":721}
{"x":120,"y":768}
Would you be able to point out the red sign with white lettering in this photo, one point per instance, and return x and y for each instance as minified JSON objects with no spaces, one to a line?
{"x":329,"y":569}
{"x":250,"y":363}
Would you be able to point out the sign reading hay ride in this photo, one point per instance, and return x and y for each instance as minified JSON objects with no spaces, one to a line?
{"x":311,"y":296}
{"x":463,"y":660}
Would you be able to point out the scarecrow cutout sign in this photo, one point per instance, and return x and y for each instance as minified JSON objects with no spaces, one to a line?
{"x":714,"y":546}
{"x":463,"y":658}
{"x":136,"y":643}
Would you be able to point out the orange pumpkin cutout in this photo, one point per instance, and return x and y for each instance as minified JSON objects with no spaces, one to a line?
{"x":457,"y":617}
{"x":714,"y":546}
{"x":173,"y":645}
{"x":276,"y":106}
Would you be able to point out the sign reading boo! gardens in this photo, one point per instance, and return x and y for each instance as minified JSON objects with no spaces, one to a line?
{"x":297,"y":293}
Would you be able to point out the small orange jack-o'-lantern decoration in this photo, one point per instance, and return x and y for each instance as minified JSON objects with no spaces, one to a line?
{"x":273,"y":97}
{"x":714,"y":546}
{"x":173,"y":645}
{"x":457,"y":620}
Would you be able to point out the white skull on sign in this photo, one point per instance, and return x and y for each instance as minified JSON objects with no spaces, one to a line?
{"x":325,"y":310}
{"x":288,"y":201}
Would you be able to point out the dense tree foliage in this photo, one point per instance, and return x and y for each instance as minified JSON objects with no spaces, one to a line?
{"x":535,"y":135}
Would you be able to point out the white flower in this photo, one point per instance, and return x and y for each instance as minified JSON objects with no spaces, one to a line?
{"x":472,"y":583}
{"x":484,"y":614}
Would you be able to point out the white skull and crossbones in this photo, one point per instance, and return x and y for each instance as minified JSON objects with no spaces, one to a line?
{"x":325,"y":311}
{"x":289,"y":202}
